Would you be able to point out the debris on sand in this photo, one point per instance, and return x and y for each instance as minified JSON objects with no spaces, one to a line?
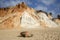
{"x":25,"y":34}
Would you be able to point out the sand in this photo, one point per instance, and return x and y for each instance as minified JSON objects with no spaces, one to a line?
{"x":45,"y":34}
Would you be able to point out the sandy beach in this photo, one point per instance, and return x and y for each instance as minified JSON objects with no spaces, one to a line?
{"x":45,"y":34}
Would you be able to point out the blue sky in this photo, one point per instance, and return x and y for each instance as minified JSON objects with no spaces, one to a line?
{"x":46,"y":5}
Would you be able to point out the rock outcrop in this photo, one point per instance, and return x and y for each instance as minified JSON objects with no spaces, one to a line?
{"x":23,"y":16}
{"x":10,"y":17}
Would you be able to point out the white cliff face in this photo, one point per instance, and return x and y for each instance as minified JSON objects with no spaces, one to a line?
{"x":46,"y":20}
{"x":57,"y":21}
{"x":39,"y":20}
{"x":27,"y":21}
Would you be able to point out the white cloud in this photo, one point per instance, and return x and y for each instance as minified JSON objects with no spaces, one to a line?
{"x":48,"y":2}
{"x":5,"y":3}
{"x":44,"y":8}
{"x":27,"y":2}
{"x":40,"y":7}
{"x":53,"y":13}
